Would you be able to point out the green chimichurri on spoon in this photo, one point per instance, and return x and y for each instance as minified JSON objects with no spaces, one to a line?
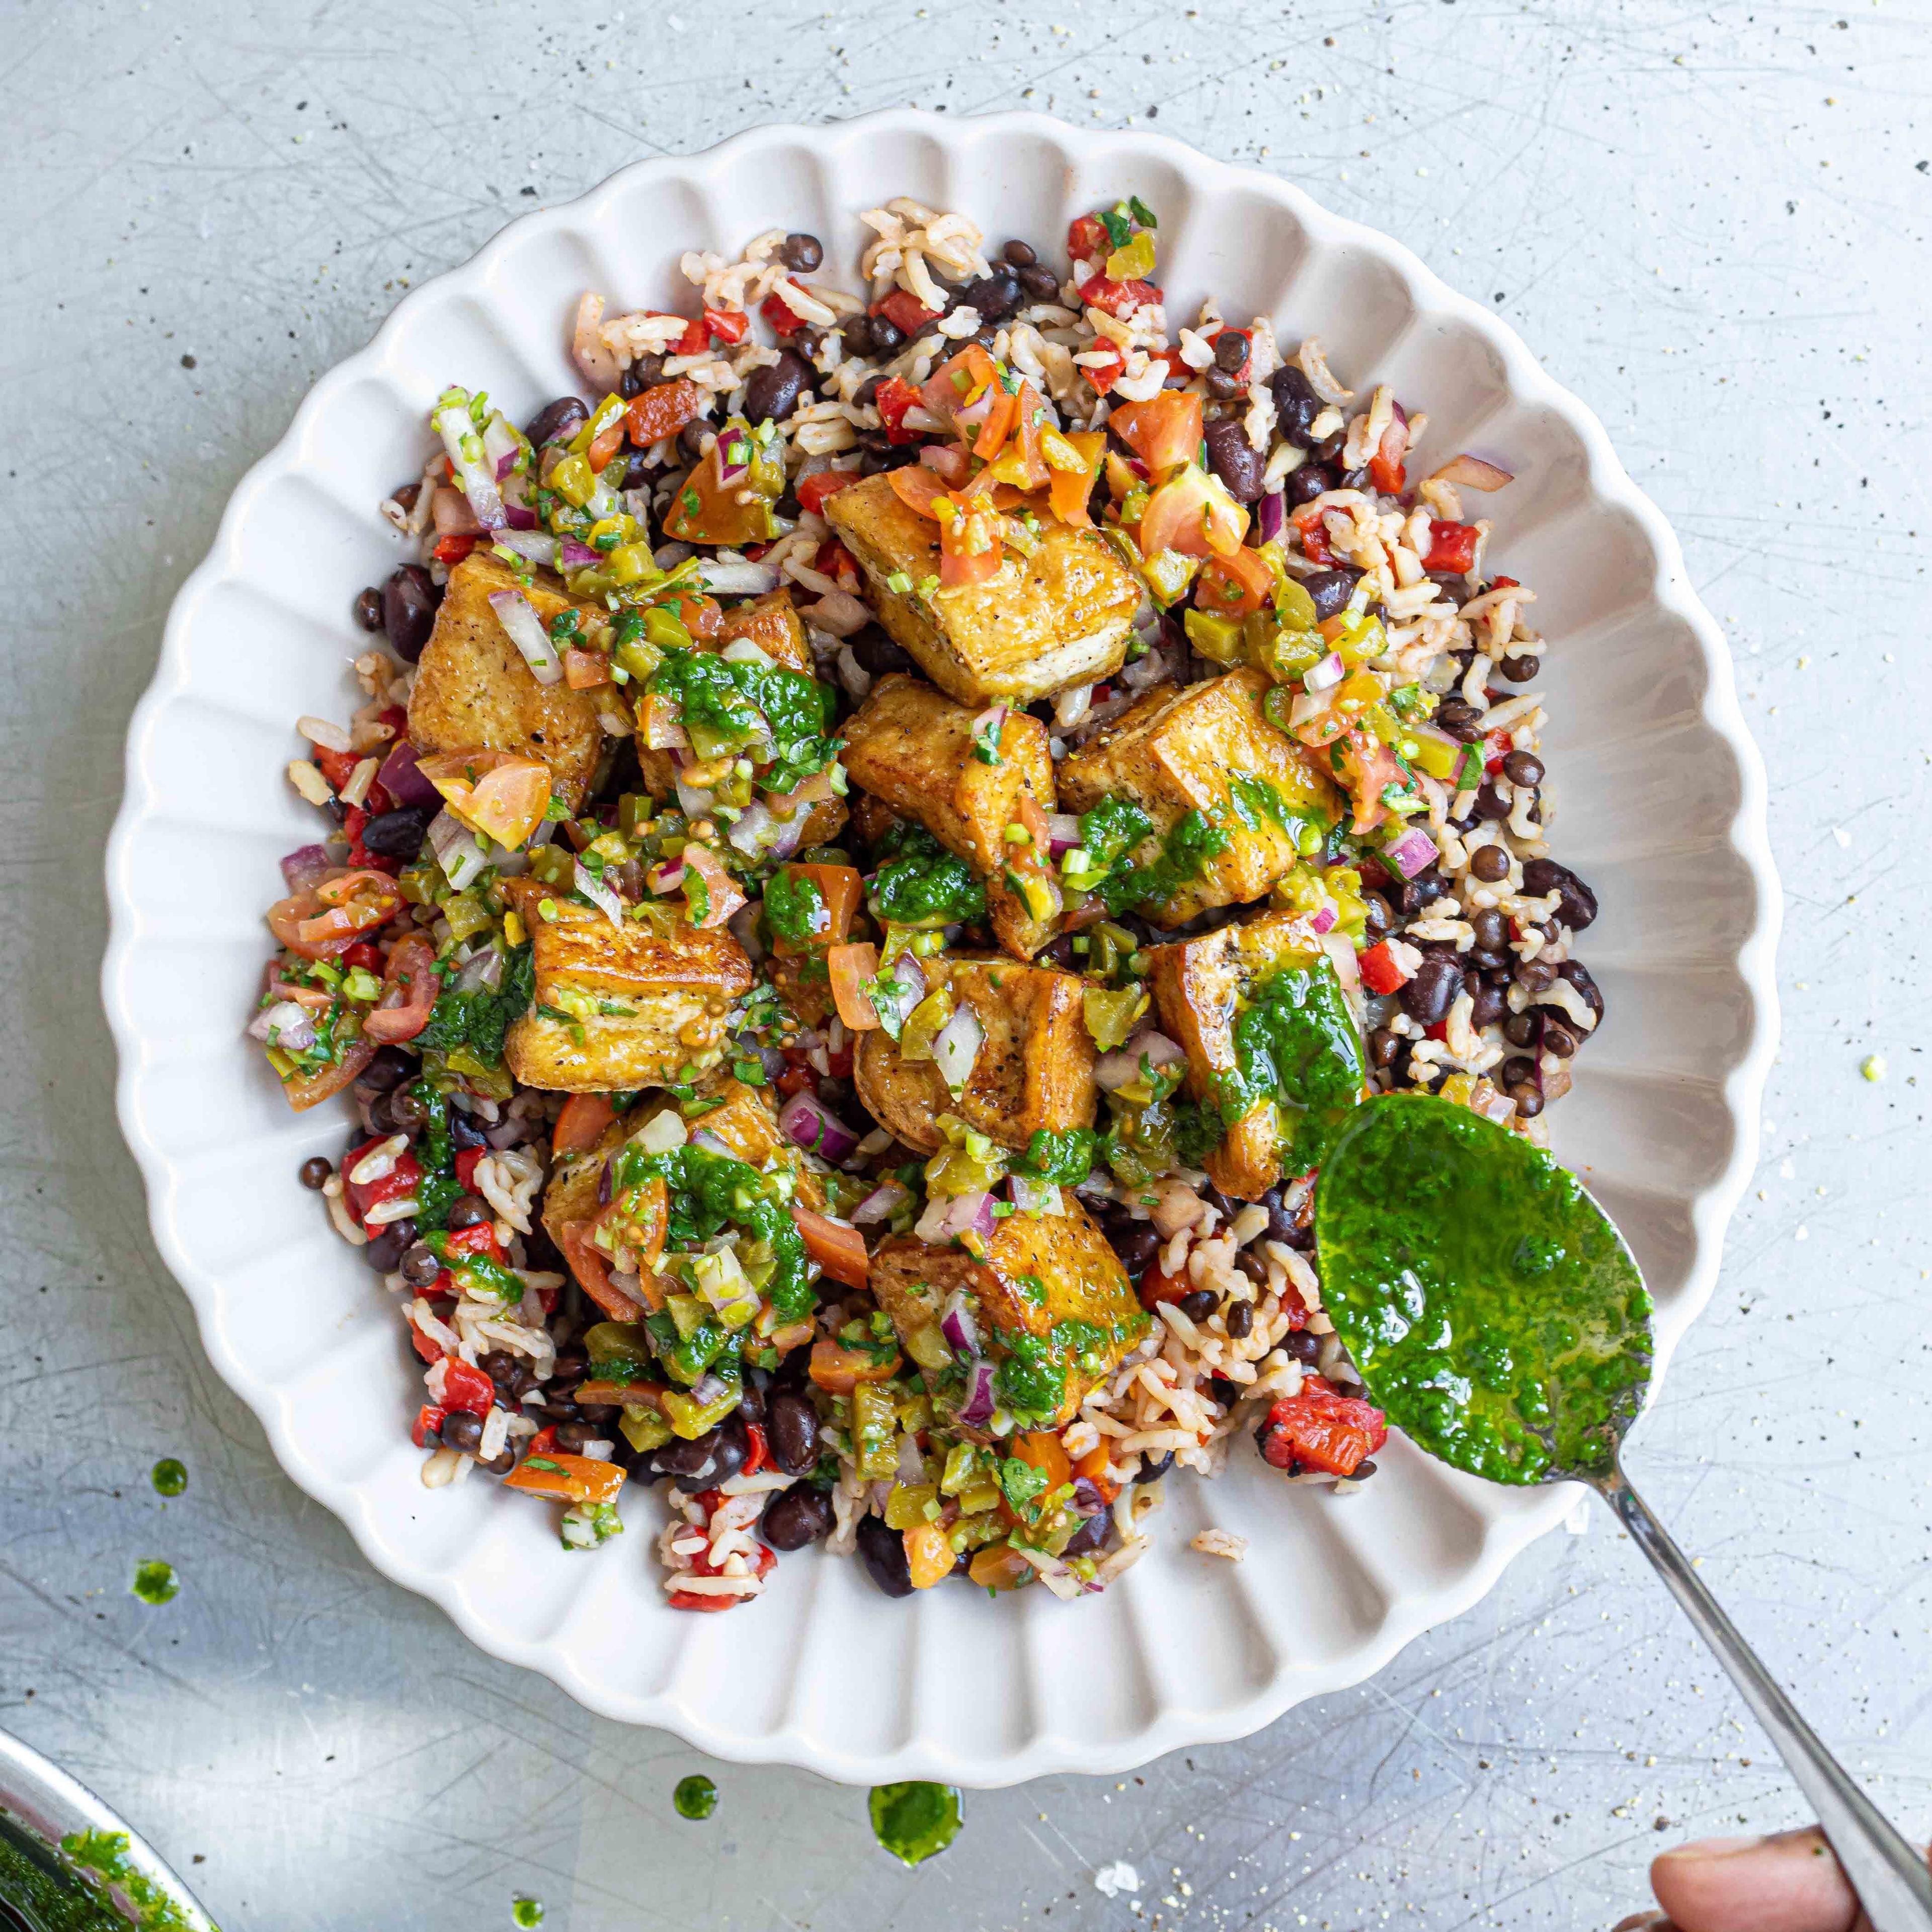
{"x":1497,"y":1317}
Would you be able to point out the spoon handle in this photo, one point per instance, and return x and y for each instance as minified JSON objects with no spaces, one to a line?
{"x":1891,"y":1879}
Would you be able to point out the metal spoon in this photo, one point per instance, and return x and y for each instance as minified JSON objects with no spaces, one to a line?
{"x":1447,"y":1192}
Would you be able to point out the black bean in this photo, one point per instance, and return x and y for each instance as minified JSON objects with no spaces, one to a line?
{"x":1578,"y":976}
{"x":467,"y":1211}
{"x":1490,"y":803}
{"x":557,"y":421}
{"x":1486,"y":1003}
{"x":1302,"y":1346}
{"x":1230,"y":349}
{"x":1041,"y":283}
{"x":996,"y":296}
{"x":1234,"y":460}
{"x":499,"y":1364}
{"x":856,"y":330}
{"x":691,"y":441}
{"x":791,"y":1432}
{"x":883,"y":1552}
{"x":419,"y":1265}
{"x":1384,"y":1046}
{"x":1363,"y":1471}
{"x":1559,"y":1039}
{"x":1251,"y":1265}
{"x":1524,"y":1029}
{"x":559,"y":1409}
{"x":1198,"y":1306}
{"x":410,"y":598}
{"x":1423,"y":889}
{"x":1089,"y":1536}
{"x":886,"y":336}
{"x":1355,"y":479}
{"x":802,"y":253}
{"x":1377,"y":916}
{"x":1223,"y":387}
{"x":1136,"y":1245}
{"x":384,"y":1253}
{"x":1219,"y":1202}
{"x":1241,"y":1317}
{"x":1489,"y":863}
{"x":388,"y":1071}
{"x":715,"y":1457}
{"x":1460,"y":719}
{"x":1311,"y":481}
{"x":1518,"y":1068}
{"x":1537,"y":975}
{"x":877,"y":653}
{"x":1296,"y":405}
{"x":1523,"y":768}
{"x":1427,"y":997}
{"x":1153,"y":1467}
{"x":1331,"y":590}
{"x":772,"y":392}
{"x":570,"y":1367}
{"x":605,"y":1412}
{"x":1282,"y":1224}
{"x":314,"y":1173}
{"x":1520,"y":669}
{"x":398,"y":834}
{"x":1576,"y":906}
{"x":522,"y":1380}
{"x":796,"y":1516}
{"x":502,"y":1463}
{"x":460,"y":1429}
{"x":1330,"y":447}
{"x":573,"y":1436}
{"x":1491,"y":928}
{"x":1529,"y":1101}
{"x":1021,"y":254}
{"x":369,"y":608}
{"x":465,"y":1131}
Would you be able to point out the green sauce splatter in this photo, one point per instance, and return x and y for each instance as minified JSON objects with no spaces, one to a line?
{"x":169,"y":1477}
{"x":104,"y":1855}
{"x":915,"y":1821}
{"x":154,"y":1582}
{"x":696,"y":1796}
{"x":1493,"y":1310}
{"x":527,"y":1913}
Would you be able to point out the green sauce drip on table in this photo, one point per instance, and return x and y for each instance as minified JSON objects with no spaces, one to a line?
{"x":527,"y":1913}
{"x":1493,"y":1309}
{"x":169,"y":1477}
{"x":695,"y":1797}
{"x":154,"y":1582}
{"x":914,"y":1821}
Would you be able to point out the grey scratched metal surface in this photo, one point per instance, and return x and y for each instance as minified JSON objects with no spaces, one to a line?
{"x":1710,"y":221}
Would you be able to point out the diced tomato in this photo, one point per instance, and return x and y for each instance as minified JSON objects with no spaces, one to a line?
{"x":1320,"y":1430}
{"x":1092,"y":1467}
{"x":1385,"y":467}
{"x":1165,"y":430}
{"x":365,"y":955}
{"x":543,"y":1442}
{"x":919,"y":488}
{"x":1233,"y":585}
{"x":581,"y":1122}
{"x":662,"y":410}
{"x":1068,"y":490}
{"x":1496,"y":747}
{"x":409,"y":989}
{"x":834,"y":560}
{"x":464,"y":1387}
{"x":429,"y":1419}
{"x":1192,"y":513}
{"x":1103,"y":376}
{"x":838,"y":1370}
{"x":1157,"y":1286}
{"x":893,"y":398}
{"x":850,"y":966}
{"x":813,"y":491}
{"x":929,"y":1555}
{"x":1314,"y":533}
{"x":465,"y":1170}
{"x":799,"y":1079}
{"x":1380,"y":972}
{"x":1118,"y":298}
{"x":838,"y":1247}
{"x":1041,"y":1450}
{"x":1086,"y":238}
{"x":1451,"y":547}
{"x":585,"y":671}
{"x":905,"y":312}
{"x":839,"y":888}
{"x":453,"y":549}
{"x":336,"y":766}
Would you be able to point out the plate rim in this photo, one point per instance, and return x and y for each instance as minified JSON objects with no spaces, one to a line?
{"x":1173,"y":1726}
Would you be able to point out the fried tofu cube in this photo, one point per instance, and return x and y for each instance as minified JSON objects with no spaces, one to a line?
{"x":473,"y":688}
{"x":1059,"y":617}
{"x":914,"y":747}
{"x":1041,"y":1273}
{"x":1034,"y":1068}
{"x":1204,"y":985}
{"x":773,"y":623}
{"x":1209,"y":747}
{"x":631,"y":1005}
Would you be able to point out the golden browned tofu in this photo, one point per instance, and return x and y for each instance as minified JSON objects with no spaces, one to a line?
{"x":912,"y":747}
{"x":1059,"y":617}
{"x":747,"y":1126}
{"x":571,"y":1193}
{"x":1314,"y":1072}
{"x":1040,"y":1270}
{"x":1209,"y":747}
{"x":1034,"y":1069}
{"x":473,"y":688}
{"x":629,"y":1007}
{"x":773,"y":625}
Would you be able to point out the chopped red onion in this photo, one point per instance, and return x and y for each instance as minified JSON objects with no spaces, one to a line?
{"x":532,"y":544}
{"x":1308,"y":704}
{"x":1324,"y":675}
{"x":1473,"y":473}
{"x":957,"y":1047}
{"x":600,"y":893}
{"x":284,"y":1025}
{"x":451,"y":515}
{"x":306,"y":866}
{"x":956,"y":1324}
{"x":694,"y":801}
{"x":741,"y":578}
{"x":988,"y":726}
{"x":518,"y":617}
{"x":731,"y":474}
{"x":809,"y":1124}
{"x":667,"y":876}
{"x":452,"y":422}
{"x":572,"y":555}
{"x":1323,"y":919}
{"x":456,"y":849}
{"x":977,"y":1410}
{"x":1036,"y":1197}
{"x":1063,"y":830}
{"x":520,"y":517}
{"x":1122,"y":1067}
{"x":1271,"y":515}
{"x":743,"y":927}
{"x":401,"y":779}
{"x":705,"y":1138}
{"x":1414,"y":852}
{"x":881,"y":1204}
{"x":482,"y":972}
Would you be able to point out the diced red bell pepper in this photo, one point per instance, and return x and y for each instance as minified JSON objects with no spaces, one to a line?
{"x":479,"y":1239}
{"x":1380,"y":972}
{"x":760,"y":1455}
{"x":834,"y":560}
{"x":452,"y":549}
{"x":1451,"y":547}
{"x":1117,"y":299}
{"x":1314,"y":534}
{"x":1086,"y":238}
{"x":692,"y":1599}
{"x":1103,"y":376}
{"x":1496,"y":747}
{"x":813,"y":491}
{"x":779,"y":317}
{"x":796,"y":1079}
{"x":728,"y":324}
{"x":464,"y":1387}
{"x":892,"y":399}
{"x":366,"y":955}
{"x":904,"y":311}
{"x":429,"y":1419}
{"x":465,"y":1170}
{"x":1320,"y":1429}
{"x":543,"y":1442}
{"x":400,"y":1182}
{"x":1504,"y":583}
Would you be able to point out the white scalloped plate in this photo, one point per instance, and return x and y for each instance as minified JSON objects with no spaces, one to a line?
{"x":1661,"y":798}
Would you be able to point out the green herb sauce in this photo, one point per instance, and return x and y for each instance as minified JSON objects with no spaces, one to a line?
{"x":915,"y":1821}
{"x":795,"y":908}
{"x":726,"y":706}
{"x":1111,"y":829}
{"x":1031,"y":1377}
{"x":478,"y":1021}
{"x":1192,"y":841}
{"x":169,"y":1477}
{"x":1494,"y":1310}
{"x":696,"y":1797}
{"x":1296,"y":1044}
{"x":526,"y":1913}
{"x":921,"y":883}
{"x":1066,"y":1157}
{"x":154,"y":1582}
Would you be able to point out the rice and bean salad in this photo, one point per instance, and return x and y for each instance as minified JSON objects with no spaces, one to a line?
{"x":881,"y":840}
